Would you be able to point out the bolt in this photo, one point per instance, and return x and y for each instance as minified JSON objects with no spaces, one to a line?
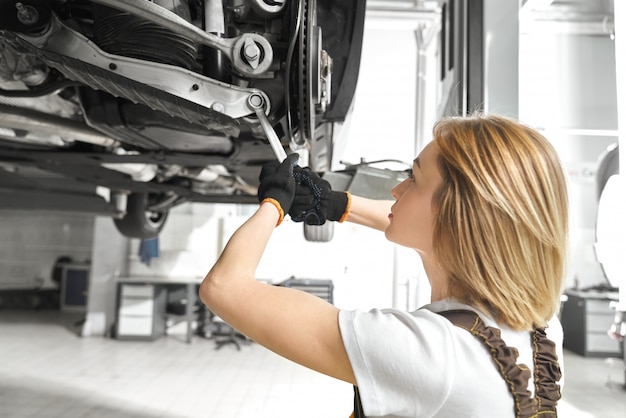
{"x":218,"y":107}
{"x":112,"y":66}
{"x":238,"y":11}
{"x":255,"y":101}
{"x":27,"y":15}
{"x":251,"y":51}
{"x":195,"y":87}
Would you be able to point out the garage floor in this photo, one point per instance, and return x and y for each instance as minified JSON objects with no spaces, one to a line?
{"x":48,"y":371}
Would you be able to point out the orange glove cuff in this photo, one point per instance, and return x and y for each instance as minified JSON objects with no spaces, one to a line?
{"x":281,"y":213}
{"x":347,"y":212}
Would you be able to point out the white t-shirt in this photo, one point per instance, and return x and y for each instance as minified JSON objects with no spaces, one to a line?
{"x":419,"y":364}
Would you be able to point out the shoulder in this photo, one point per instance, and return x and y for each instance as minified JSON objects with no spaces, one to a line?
{"x":389,"y":322}
{"x":388,"y":350}
{"x":396,"y":355}
{"x":386,"y":330}
{"x":425,"y":326}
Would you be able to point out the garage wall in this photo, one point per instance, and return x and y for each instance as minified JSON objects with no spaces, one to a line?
{"x":188,"y":244}
{"x":360,"y":261}
{"x":109,"y":253}
{"x":362,"y":264}
{"x":30,"y":243}
{"x":568,"y":90}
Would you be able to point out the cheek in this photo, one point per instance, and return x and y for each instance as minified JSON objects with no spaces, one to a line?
{"x":422,"y":225}
{"x":412,"y":225}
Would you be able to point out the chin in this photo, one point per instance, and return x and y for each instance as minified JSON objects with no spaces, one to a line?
{"x":389,"y":235}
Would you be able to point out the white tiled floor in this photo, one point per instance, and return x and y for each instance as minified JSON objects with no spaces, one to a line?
{"x":46,"y":370}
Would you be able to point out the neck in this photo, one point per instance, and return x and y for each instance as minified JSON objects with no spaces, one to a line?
{"x":438,"y":279}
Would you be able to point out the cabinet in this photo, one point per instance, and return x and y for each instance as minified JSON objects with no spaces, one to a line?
{"x":323,"y":289}
{"x":141,"y":311}
{"x":586,"y":318}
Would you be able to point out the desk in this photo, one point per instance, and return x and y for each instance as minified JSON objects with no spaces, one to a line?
{"x":586,"y":318}
{"x":29,"y":298}
{"x":191,"y":285}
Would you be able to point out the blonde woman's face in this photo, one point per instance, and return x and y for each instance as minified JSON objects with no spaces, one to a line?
{"x":412,"y":215}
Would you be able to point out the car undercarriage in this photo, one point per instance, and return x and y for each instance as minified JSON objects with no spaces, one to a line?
{"x":129,"y":108}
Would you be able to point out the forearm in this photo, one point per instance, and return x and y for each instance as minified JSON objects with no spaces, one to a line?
{"x":369,"y":212}
{"x":292,"y":323}
{"x":241,"y":256}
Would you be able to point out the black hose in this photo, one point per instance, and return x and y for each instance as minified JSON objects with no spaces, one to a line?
{"x":40,"y":91}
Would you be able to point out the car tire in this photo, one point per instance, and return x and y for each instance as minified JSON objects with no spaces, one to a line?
{"x":139,"y":222}
{"x":319,"y":233}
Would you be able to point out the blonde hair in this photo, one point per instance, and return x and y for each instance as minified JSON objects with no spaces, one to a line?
{"x":502,"y":217}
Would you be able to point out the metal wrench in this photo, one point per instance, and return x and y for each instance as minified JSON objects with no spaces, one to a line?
{"x":256,"y":102}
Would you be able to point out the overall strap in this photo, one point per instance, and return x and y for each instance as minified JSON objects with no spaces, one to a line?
{"x":358,"y":408}
{"x":546,"y":367}
{"x":547,"y":370}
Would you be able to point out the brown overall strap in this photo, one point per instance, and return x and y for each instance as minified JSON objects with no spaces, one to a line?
{"x":546,"y":365}
{"x":358,"y":408}
{"x":547,"y":370}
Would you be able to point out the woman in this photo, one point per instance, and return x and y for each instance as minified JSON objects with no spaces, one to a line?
{"x":485,"y":206}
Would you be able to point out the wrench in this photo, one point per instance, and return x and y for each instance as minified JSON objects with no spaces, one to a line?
{"x":256,"y":102}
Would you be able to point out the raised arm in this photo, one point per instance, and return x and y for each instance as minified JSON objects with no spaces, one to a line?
{"x":369,"y":212}
{"x":292,"y":323}
{"x":316,"y":202}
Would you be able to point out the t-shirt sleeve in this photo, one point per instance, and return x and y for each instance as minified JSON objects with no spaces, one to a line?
{"x":403,"y":362}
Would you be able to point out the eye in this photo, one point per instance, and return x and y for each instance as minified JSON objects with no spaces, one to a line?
{"x":409,"y":174}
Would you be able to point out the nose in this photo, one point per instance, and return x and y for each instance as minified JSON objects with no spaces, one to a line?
{"x":399,"y":189}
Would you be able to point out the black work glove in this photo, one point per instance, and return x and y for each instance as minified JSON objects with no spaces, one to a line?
{"x":315,"y":201}
{"x":278,"y":185}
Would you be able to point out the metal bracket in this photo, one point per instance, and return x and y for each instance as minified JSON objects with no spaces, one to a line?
{"x":224,"y":98}
{"x":229,"y":46}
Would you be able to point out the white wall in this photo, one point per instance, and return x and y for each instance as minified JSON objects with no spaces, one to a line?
{"x":109,"y":261}
{"x":30,"y":242}
{"x":620,"y":62}
{"x":360,"y":261}
{"x":362,"y":264}
{"x":501,"y":57}
{"x":188,"y":244}
{"x":395,"y":102}
{"x":382,"y":124}
{"x":567,"y":89}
